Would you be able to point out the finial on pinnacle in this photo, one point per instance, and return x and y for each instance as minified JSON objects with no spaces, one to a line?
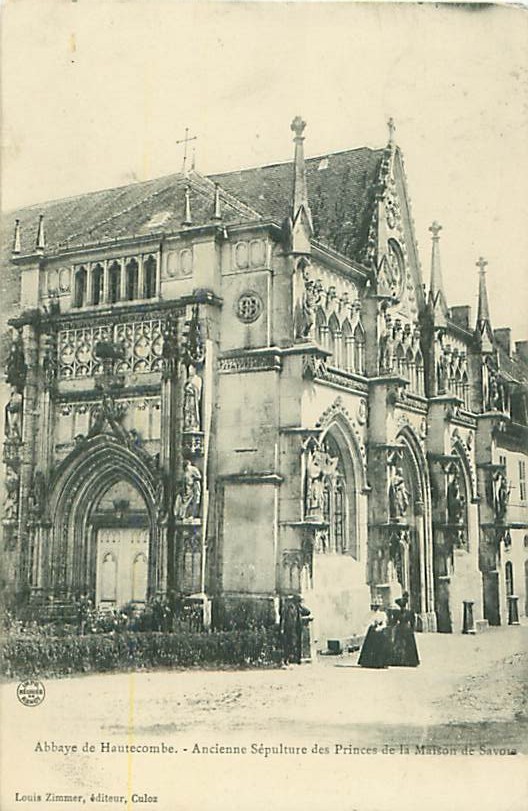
{"x":217,"y":212}
{"x":297,"y":126}
{"x":435,"y":229}
{"x":481,"y":264}
{"x":187,"y":218}
{"x":16,"y":237}
{"x":392,"y":129}
{"x":40,"y":242}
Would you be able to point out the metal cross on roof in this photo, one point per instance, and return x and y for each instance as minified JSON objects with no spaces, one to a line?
{"x":392,"y":129}
{"x":188,"y":138}
{"x":481,"y":264}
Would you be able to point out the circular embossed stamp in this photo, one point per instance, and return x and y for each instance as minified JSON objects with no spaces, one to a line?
{"x":31,"y":693}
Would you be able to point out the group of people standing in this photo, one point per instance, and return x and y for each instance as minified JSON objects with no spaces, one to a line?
{"x":389,"y":641}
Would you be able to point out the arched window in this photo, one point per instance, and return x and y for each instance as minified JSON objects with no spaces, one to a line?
{"x":420,"y":381}
{"x":114,"y":282}
{"x":337,"y":498}
{"x":132,"y":280}
{"x":139,"y":578}
{"x":359,"y":350}
{"x":458,"y":383}
{"x":80,"y":287}
{"x":97,"y":284}
{"x":321,"y":327}
{"x":348,"y":340}
{"x":149,"y":283}
{"x":334,"y":336}
{"x":409,"y":369}
{"x":399,"y":357}
{"x":508,"y":574}
{"x":108,"y":578}
{"x":465,"y":391}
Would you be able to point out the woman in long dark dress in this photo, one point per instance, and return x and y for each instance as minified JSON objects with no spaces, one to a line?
{"x":375,"y":651}
{"x":404,"y":651}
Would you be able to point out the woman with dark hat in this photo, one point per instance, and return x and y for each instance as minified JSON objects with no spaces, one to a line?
{"x":375,"y":651}
{"x":404,"y":650}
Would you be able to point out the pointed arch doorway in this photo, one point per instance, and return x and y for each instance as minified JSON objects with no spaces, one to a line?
{"x":120,"y":525}
{"x":106,"y":539}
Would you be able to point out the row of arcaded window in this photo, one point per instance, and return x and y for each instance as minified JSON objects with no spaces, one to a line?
{"x":347,"y":345}
{"x":115,"y":281}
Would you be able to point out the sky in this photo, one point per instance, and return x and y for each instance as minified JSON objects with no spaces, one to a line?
{"x":95,"y":94}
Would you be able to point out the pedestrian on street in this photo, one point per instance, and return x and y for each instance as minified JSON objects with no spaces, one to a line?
{"x":404,"y":650}
{"x":375,"y":651}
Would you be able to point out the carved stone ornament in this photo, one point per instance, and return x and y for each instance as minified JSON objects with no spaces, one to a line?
{"x":193,"y":345}
{"x":249,"y":307}
{"x":362,"y":412}
{"x":169,"y":351}
{"x":16,"y":370}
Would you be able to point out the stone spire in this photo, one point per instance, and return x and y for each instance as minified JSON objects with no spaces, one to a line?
{"x":300,"y":189}
{"x":16,"y":238}
{"x":187,"y":218}
{"x":217,"y":213}
{"x":437,"y":297}
{"x":41,"y":241}
{"x":483,"y":311}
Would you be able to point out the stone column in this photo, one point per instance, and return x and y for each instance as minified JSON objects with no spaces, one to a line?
{"x":27,"y":459}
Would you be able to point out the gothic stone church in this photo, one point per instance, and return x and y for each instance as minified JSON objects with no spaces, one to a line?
{"x":236,"y":388}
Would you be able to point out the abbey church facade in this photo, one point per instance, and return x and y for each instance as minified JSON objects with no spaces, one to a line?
{"x":234,"y":389}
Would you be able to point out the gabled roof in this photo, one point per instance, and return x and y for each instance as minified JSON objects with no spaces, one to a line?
{"x":155,"y":206}
{"x":340,"y":186}
{"x":512,"y":368}
{"x":341,"y":191}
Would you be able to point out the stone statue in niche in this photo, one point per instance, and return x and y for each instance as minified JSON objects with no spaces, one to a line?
{"x":386,"y":350}
{"x":399,"y":556}
{"x":187,"y":503}
{"x":320,"y":468}
{"x":501,"y":495}
{"x":13,"y":414}
{"x":455,"y":501}
{"x":497,"y":398}
{"x":37,"y":495}
{"x":161,"y":499}
{"x":192,"y":397}
{"x":12,"y":494}
{"x":16,"y":369}
{"x":441,"y":375}
{"x":398,"y":494}
{"x":312,"y":295}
